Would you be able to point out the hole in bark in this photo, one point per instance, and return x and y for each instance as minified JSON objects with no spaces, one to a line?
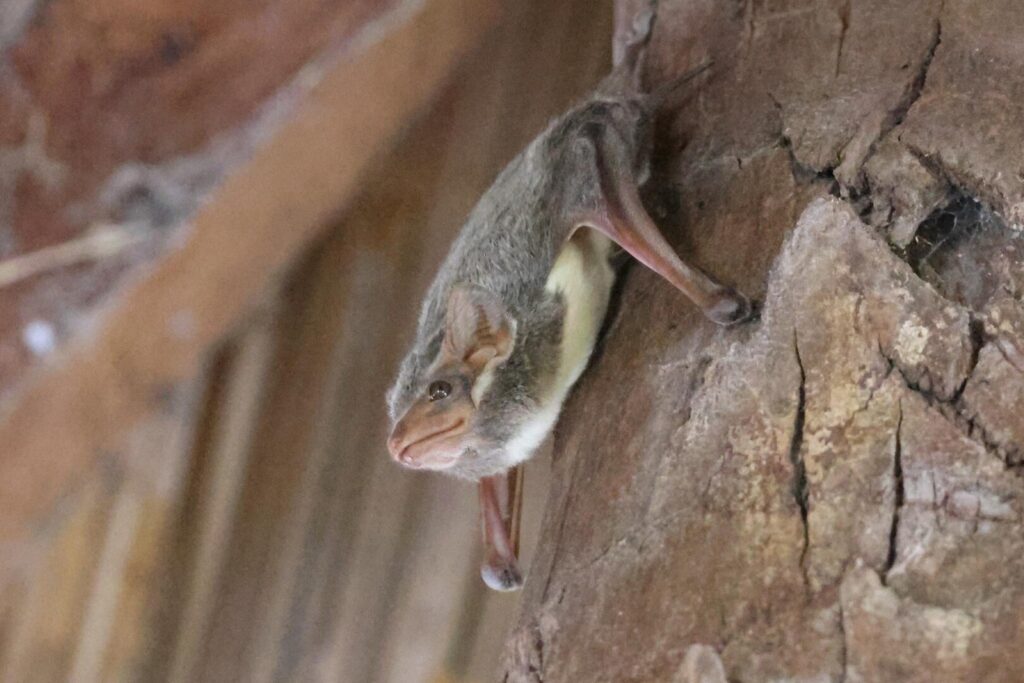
{"x":943,"y":230}
{"x":964,"y":250}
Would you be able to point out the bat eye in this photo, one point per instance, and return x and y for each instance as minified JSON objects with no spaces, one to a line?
{"x":439,"y":390}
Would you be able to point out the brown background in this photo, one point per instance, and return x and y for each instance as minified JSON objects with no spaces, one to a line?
{"x":194,"y":482}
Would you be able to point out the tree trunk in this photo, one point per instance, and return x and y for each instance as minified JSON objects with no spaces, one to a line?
{"x":832,"y":492}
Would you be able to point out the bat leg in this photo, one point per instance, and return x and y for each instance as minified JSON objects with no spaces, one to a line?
{"x":500,"y":512}
{"x":634,"y":20}
{"x":621,"y":216}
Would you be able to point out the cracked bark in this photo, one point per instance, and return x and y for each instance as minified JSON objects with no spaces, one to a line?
{"x":796,"y":457}
{"x":900,"y":495}
{"x":848,"y":509}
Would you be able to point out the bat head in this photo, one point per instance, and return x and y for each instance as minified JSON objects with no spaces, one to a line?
{"x":434,"y":409}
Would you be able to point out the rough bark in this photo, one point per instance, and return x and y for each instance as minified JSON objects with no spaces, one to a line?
{"x":832,"y":492}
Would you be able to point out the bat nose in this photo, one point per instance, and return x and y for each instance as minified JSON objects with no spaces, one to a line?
{"x":421,"y":446}
{"x":397,"y":443}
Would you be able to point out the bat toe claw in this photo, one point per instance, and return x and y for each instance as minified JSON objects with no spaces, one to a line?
{"x":501,"y":577}
{"x":642,"y":25}
{"x":730,"y":309}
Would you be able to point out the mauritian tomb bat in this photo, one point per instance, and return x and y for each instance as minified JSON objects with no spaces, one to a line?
{"x":511,"y":319}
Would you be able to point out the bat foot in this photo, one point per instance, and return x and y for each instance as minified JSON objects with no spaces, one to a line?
{"x":501,"y":577}
{"x":632,"y":30}
{"x":730,"y":309}
{"x":641,"y":27}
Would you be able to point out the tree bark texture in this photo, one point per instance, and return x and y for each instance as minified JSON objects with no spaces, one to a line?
{"x":832,"y":492}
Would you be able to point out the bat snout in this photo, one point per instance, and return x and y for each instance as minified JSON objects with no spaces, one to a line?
{"x":396,"y":443}
{"x":427,"y":442}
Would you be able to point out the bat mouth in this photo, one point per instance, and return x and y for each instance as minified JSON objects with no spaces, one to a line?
{"x":433,"y":451}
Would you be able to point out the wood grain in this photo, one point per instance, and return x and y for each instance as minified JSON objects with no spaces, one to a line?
{"x":158,"y":330}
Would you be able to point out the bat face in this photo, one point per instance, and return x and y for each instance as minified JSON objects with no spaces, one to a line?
{"x":435,"y":415}
{"x":434,"y":433}
{"x":466,"y":412}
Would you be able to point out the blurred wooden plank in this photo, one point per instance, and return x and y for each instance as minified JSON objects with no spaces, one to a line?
{"x":131,"y":629}
{"x":132,"y":620}
{"x":444,"y":548}
{"x":229,"y":446}
{"x":161,"y":326}
{"x":283,"y":451}
{"x":182,"y":595}
{"x":102,"y":560}
{"x":497,"y":611}
{"x":388,"y":524}
{"x":309,"y":556}
{"x":11,"y":597}
{"x":310,"y":540}
{"x":372,"y":258}
{"x":49,"y":615}
{"x":98,"y":621}
{"x":350,"y":329}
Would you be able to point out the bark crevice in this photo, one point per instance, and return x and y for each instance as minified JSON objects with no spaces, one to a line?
{"x":917,"y":86}
{"x":899,"y":496}
{"x":844,"y":27}
{"x":799,"y":487}
{"x":843,"y":645}
{"x":954,"y":412}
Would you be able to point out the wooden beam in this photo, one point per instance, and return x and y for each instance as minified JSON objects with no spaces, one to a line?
{"x":158,"y":330}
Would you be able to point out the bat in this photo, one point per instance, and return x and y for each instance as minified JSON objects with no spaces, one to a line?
{"x":511,"y":318}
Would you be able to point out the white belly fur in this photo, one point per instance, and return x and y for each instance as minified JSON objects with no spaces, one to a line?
{"x":584,"y":278}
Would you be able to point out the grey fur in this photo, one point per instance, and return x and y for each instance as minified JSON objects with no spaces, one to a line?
{"x":508,"y":246}
{"x":513,"y":236}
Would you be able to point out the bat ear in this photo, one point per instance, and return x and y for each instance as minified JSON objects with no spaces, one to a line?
{"x":478,"y":329}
